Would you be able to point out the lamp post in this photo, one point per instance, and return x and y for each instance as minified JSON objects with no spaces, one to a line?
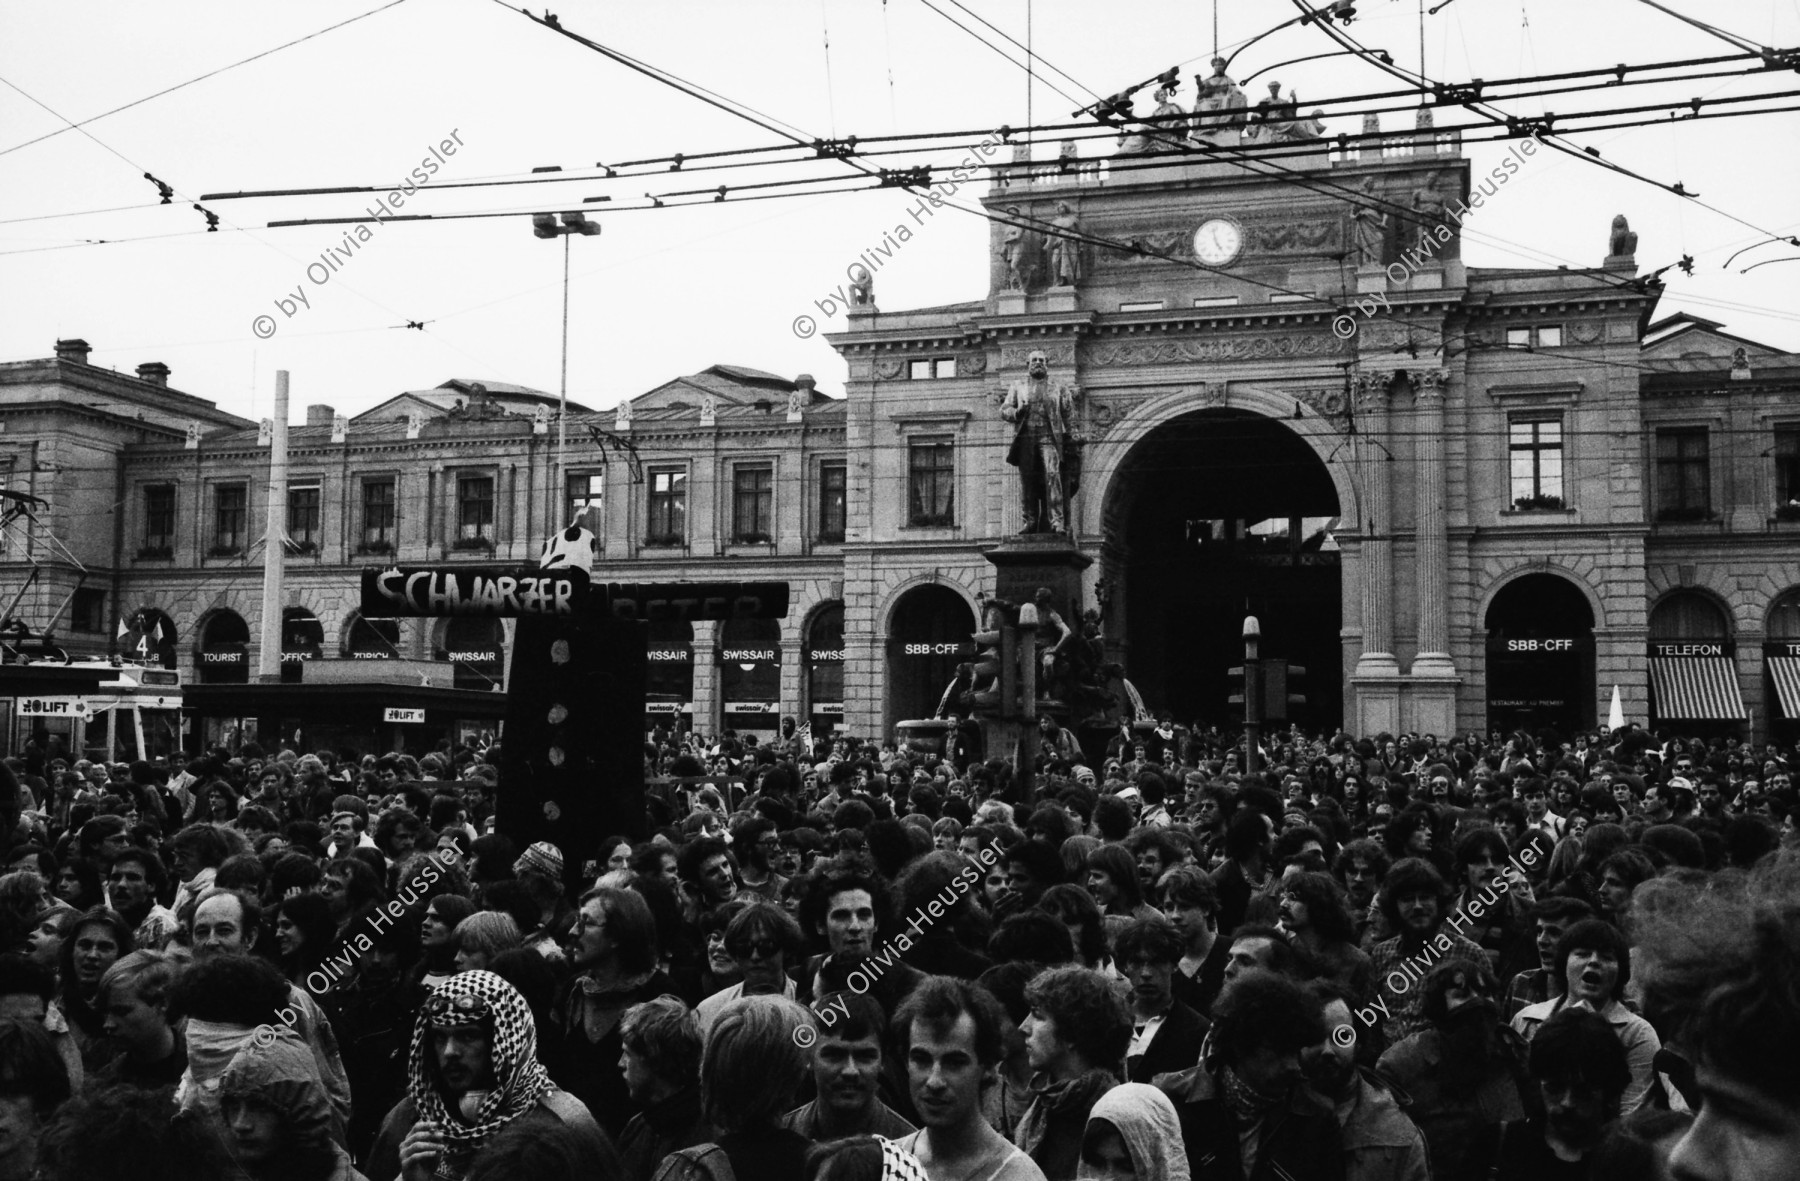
{"x":1252,"y":693}
{"x":543,"y":225}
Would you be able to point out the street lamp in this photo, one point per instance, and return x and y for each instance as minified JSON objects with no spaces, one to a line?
{"x":1252,"y":693}
{"x":543,"y":225}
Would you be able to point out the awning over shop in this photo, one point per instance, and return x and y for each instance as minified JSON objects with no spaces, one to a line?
{"x":1696,"y":689}
{"x":1785,"y":672}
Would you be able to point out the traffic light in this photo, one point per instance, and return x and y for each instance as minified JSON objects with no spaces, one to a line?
{"x":993,"y":689}
{"x":1273,"y":681}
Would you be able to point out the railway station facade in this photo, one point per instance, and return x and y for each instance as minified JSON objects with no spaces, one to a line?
{"x":1460,"y":497}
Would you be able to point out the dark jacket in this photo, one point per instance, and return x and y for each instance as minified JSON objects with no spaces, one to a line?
{"x":1299,"y":1141}
{"x":1175,"y":1047}
{"x":660,"y":1129}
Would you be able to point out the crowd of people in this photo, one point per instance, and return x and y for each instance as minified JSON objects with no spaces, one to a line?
{"x":1381,"y":959}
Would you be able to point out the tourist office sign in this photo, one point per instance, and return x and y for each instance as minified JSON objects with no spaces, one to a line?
{"x":516,"y":592}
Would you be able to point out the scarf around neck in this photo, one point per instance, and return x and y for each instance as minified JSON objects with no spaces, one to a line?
{"x":1246,"y":1102}
{"x":1062,"y":1101}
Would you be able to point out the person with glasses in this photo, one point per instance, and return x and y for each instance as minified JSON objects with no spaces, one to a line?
{"x":473,"y":1072}
{"x":760,"y":845}
{"x":763,"y":940}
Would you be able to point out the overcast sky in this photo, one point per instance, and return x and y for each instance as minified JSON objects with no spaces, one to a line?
{"x":667,"y":292}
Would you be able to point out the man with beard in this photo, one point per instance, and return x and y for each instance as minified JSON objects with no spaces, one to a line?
{"x":846,"y":1072}
{"x":1166,"y":1034}
{"x":473,"y":1072}
{"x":1243,"y":1110}
{"x":612,"y":950}
{"x":1595,"y":963}
{"x":1413,"y":901}
{"x":1380,"y":1142}
{"x":1464,"y":1075}
{"x":1580,"y":1070}
{"x":1075,"y":1040}
{"x":1360,"y":866}
{"x":1552,"y":918}
{"x":850,"y":911}
{"x":132,"y":884}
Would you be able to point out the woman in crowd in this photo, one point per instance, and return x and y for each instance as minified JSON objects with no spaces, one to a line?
{"x":482,"y":936}
{"x":95,"y":942}
{"x":438,"y":939}
{"x":304,"y":935}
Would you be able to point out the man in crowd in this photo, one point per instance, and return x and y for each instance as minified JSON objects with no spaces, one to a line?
{"x":661,"y":1061}
{"x":846,"y":1072}
{"x":1580,"y":1071}
{"x":1075,"y":1038}
{"x":1166,"y":1034}
{"x":1380,"y":1143}
{"x":473,"y":1073}
{"x":1191,"y":904}
{"x":1243,"y":1111}
{"x":133,"y":883}
{"x":1413,"y":900}
{"x":1552,"y":917}
{"x":850,"y":912}
{"x":950,"y":1031}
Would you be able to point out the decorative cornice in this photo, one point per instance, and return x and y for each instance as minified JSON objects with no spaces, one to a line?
{"x":1229,"y":348}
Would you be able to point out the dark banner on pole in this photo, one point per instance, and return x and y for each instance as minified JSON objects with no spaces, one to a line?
{"x":499,"y":592}
{"x":496,"y":592}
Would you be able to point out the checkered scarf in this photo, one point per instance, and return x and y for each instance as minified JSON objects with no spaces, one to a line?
{"x":519,"y":1079}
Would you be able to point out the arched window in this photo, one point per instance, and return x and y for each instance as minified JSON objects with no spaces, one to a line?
{"x":825,"y":666}
{"x":750,"y":673}
{"x":1689,"y":615}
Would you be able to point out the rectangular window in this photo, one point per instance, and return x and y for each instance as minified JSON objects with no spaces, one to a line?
{"x":230,"y":516}
{"x":1536,"y":454}
{"x":87,"y":613}
{"x":931,"y":482}
{"x":752,"y":503}
{"x":159,"y":517}
{"x":1216,"y":301}
{"x":378,"y":515}
{"x":1683,"y":475}
{"x":586,"y":496}
{"x":1550,"y":336}
{"x":303,"y":517}
{"x":833,"y":499}
{"x":933,"y":367}
{"x":668,"y":508}
{"x":475,"y":510}
{"x":1142,"y":305}
{"x":1518,"y":338}
{"x":1787,"y":469}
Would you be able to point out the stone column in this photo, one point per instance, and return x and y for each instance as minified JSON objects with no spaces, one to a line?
{"x":1377,"y":524}
{"x":1376,"y":680}
{"x":1433,"y":682}
{"x":1433,"y":561}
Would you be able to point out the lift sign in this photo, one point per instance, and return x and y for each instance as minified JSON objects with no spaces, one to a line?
{"x":1540,"y":645}
{"x":410,"y":716}
{"x":52,"y":707}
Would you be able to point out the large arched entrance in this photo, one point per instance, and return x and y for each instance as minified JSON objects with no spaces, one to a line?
{"x":1540,"y":658}
{"x":931,"y":629}
{"x":1224,"y":513}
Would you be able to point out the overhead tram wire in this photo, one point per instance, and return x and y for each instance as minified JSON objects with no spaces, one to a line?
{"x":685,"y":160}
{"x":1499,"y":116}
{"x":76,"y":126}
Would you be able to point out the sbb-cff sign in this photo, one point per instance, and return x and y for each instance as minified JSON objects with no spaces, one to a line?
{"x":944,"y":648}
{"x":1540,"y":645}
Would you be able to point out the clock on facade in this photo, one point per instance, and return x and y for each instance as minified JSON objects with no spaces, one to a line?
{"x":1218,"y":241}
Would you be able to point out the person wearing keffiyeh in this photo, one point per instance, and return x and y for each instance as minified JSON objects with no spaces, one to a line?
{"x":1244,"y":1114}
{"x":474,"y":1072}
